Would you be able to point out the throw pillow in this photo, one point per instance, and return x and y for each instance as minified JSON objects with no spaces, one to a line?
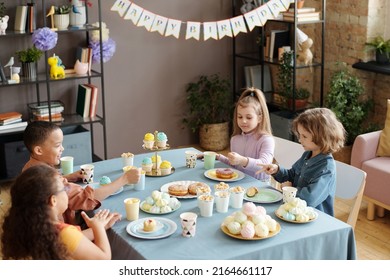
{"x":384,"y":140}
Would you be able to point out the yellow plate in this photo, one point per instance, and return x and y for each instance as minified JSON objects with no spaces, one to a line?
{"x":239,"y":236}
{"x":237,"y":175}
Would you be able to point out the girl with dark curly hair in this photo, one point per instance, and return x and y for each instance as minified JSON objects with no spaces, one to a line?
{"x":33,"y":228}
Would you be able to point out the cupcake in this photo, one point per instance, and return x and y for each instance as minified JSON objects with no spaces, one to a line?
{"x":147,"y":164}
{"x":156,"y":166}
{"x":149,"y":141}
{"x":104,"y":180}
{"x":161,"y":140}
{"x":166,"y":167}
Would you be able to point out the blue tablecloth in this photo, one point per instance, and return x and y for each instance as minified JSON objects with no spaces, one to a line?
{"x":325,"y":238}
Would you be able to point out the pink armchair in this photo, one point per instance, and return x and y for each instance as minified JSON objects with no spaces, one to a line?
{"x":377,"y":190}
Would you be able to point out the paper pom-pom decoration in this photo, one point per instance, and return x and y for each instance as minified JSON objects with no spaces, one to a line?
{"x":44,"y":39}
{"x":95,"y":34}
{"x":109,"y":48}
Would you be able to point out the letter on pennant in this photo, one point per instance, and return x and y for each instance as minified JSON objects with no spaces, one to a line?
{"x":224,"y":29}
{"x":210,"y":30}
{"x":146,"y":19}
{"x":134,"y":13}
{"x":238,"y":25}
{"x":159,"y":24}
{"x":121,"y":6}
{"x":173,"y":28}
{"x":252,"y":19}
{"x":193,"y":30}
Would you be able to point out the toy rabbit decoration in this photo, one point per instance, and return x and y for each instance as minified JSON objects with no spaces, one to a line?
{"x":305,"y":55}
{"x":3,"y":24}
{"x":248,"y":6}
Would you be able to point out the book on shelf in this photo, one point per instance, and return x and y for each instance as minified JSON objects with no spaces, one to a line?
{"x":19,"y":125}
{"x":56,"y":117}
{"x":83,"y":100}
{"x":303,"y":10}
{"x":9,"y":121}
{"x":21,"y":18}
{"x":41,"y":109}
{"x":94,"y":98}
{"x":278,"y":39}
{"x":313,"y":14}
{"x":31,"y":17}
{"x":301,"y":19}
{"x":9,"y":116}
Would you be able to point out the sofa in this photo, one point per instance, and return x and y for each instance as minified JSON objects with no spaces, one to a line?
{"x":377,"y":190}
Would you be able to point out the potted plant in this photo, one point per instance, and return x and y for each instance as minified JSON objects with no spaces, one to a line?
{"x":300,"y":98}
{"x":29,"y":58}
{"x":382,"y":49}
{"x":61,"y":16}
{"x":210,"y":110}
{"x":344,"y":98}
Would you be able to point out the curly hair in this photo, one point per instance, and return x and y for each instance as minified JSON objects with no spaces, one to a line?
{"x":28,"y":229}
{"x":327,"y":131}
{"x":255,"y":98}
{"x":37,"y":132}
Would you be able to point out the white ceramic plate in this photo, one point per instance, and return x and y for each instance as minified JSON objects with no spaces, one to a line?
{"x":173,"y":210}
{"x":238,"y":175}
{"x":159,"y":226}
{"x":164,"y":188}
{"x":96,"y":185}
{"x":265,"y":195}
{"x":168,"y":228}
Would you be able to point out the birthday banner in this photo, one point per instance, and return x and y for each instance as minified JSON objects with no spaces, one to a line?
{"x":215,"y":29}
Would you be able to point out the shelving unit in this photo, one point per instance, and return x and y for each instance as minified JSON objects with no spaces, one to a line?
{"x":45,"y":89}
{"x":254,"y":54}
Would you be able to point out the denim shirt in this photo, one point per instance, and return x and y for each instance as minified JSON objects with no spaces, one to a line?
{"x":315,"y":179}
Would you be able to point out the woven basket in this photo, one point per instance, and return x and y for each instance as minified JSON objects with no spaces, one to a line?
{"x":214,"y":137}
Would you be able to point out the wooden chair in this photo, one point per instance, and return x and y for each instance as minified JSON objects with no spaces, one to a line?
{"x":350,"y":183}
{"x":287,"y":152}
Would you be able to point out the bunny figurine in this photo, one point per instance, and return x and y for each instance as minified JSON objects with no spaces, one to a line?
{"x":3,"y":24}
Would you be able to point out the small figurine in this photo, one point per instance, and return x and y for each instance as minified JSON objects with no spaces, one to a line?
{"x":51,"y":14}
{"x":15,"y":74}
{"x":56,"y":72}
{"x":305,"y":55}
{"x":10,"y":64}
{"x":3,"y":24}
{"x":248,"y":6}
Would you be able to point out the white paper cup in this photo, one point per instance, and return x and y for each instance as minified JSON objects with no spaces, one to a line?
{"x":188,"y":224}
{"x":67,"y":165}
{"x":141,"y":183}
{"x":201,"y":191}
{"x":87,"y":173}
{"x":206,"y":205}
{"x":191,"y":157}
{"x":289,"y":193}
{"x":132,"y":208}
{"x":236,"y":198}
{"x":222,"y":201}
{"x":127,"y":159}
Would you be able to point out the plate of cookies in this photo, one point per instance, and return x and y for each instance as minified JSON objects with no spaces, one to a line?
{"x":184,"y":189}
{"x":224,"y":174}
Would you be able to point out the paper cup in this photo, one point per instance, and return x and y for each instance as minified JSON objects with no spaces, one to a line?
{"x":67,"y":165}
{"x":87,"y":173}
{"x":222,"y":201}
{"x":127,"y":159}
{"x":289,"y":193}
{"x":236,"y":198}
{"x":132,"y":208}
{"x":206,"y":205}
{"x":141,"y":183}
{"x":191,"y":157}
{"x":209,"y":160}
{"x":188,"y":224}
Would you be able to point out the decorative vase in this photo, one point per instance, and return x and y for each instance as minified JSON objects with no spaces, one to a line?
{"x":29,"y":70}
{"x":381,"y":58}
{"x":300,"y":4}
{"x":78,"y":16}
{"x":61,"y":22}
{"x":299,"y":104}
{"x":214,"y":137}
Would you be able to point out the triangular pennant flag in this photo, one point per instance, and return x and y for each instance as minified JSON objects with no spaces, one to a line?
{"x":238,"y":25}
{"x":173,"y":28}
{"x":193,"y":30}
{"x":210,"y":30}
{"x":121,"y":6}
{"x":252,"y":19}
{"x":264,"y":14}
{"x":146,"y":19}
{"x":134,"y":13}
{"x":285,"y":3}
{"x":275,"y":7}
{"x":224,"y":28}
{"x":159,"y":24}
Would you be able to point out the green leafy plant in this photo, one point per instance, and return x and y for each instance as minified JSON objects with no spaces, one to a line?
{"x":285,"y":74}
{"x":3,"y":10}
{"x":62,"y":10}
{"x":380,"y":45}
{"x":345,"y":100}
{"x":210,"y":101}
{"x":29,"y":55}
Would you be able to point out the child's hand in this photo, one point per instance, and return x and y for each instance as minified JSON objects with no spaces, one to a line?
{"x":133,"y":175}
{"x":115,"y":217}
{"x":74,"y":177}
{"x":101,"y":219}
{"x":237,"y":159}
{"x":269,"y":169}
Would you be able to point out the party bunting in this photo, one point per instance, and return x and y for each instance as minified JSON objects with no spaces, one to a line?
{"x":211,"y":30}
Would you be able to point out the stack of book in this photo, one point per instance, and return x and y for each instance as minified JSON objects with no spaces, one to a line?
{"x":87,"y":100}
{"x":305,"y":14}
{"x":25,"y":18}
{"x":11,"y":120}
{"x":40,"y":111}
{"x":276,"y":40}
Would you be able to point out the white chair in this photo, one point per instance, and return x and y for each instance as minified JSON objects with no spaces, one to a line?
{"x":287,"y":152}
{"x":350,"y":183}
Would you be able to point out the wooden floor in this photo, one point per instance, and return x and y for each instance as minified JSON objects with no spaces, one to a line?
{"x":372,"y":237}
